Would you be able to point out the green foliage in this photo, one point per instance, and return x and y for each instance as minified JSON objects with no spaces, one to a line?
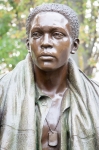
{"x":4,"y":23}
{"x":12,"y":36}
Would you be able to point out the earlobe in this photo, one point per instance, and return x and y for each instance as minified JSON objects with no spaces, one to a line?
{"x":76,"y":43}
{"x":73,"y":51}
{"x":75,"y":46}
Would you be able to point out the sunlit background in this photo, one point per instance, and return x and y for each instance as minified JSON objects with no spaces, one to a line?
{"x":13,"y":14}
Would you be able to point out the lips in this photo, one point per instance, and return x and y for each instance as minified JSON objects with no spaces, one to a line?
{"x":46,"y":57}
{"x":47,"y":54}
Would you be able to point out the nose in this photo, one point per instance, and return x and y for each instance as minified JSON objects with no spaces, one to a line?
{"x":46,"y":41}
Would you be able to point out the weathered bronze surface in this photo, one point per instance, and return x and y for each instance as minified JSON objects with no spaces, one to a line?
{"x":47,"y":85}
{"x":50,"y":44}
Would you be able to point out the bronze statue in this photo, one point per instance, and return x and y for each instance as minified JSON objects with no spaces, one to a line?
{"x":47,"y":102}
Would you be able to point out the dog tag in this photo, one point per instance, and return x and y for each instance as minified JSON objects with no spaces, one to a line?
{"x":53,"y":138}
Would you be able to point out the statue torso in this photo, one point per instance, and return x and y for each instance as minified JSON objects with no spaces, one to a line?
{"x":52,"y":122}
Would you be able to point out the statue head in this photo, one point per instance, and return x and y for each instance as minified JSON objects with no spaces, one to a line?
{"x":52,"y":31}
{"x":60,"y":8}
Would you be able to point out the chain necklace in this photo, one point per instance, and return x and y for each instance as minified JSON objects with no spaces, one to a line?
{"x":53,"y":135}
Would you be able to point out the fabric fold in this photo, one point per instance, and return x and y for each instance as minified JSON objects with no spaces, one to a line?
{"x":18,"y":113}
{"x":17,"y":110}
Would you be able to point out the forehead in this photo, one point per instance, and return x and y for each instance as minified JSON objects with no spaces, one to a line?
{"x":51,"y":19}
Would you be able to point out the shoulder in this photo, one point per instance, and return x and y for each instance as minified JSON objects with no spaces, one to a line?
{"x":89,"y":82}
{"x":1,"y":76}
{"x":6,"y":78}
{"x":16,"y":69}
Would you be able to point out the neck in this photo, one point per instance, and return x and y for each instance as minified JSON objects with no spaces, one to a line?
{"x":51,"y":82}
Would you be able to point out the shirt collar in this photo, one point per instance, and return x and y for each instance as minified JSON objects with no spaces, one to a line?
{"x":65,"y":101}
{"x":39,"y":93}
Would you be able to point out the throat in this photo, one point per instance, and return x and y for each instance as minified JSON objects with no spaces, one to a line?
{"x":51,"y":82}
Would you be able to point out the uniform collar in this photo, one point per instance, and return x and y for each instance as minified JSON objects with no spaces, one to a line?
{"x":65,"y":101}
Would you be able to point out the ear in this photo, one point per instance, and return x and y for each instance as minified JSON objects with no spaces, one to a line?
{"x":75,"y":46}
{"x":27,"y":44}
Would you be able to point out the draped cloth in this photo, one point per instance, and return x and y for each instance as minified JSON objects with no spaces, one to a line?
{"x":18,"y":128}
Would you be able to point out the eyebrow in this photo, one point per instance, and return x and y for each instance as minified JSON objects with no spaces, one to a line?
{"x":51,"y":29}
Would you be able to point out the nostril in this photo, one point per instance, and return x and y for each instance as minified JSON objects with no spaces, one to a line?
{"x":46,"y":46}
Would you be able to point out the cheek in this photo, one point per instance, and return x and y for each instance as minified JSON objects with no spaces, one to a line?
{"x":65,"y":42}
{"x":32,"y":43}
{"x":64,"y":54}
{"x":35,"y":45}
{"x":64,"y":46}
{"x":33,"y":49}
{"x":64,"y":49}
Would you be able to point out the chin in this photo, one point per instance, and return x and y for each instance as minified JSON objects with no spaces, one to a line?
{"x":46,"y":66}
{"x":47,"y":69}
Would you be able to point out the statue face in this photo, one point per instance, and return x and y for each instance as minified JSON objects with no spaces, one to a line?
{"x":50,"y":40}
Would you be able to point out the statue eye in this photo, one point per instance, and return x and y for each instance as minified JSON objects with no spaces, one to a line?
{"x":58,"y":35}
{"x":36,"y":35}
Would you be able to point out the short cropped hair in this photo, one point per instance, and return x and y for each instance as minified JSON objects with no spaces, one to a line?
{"x":65,"y":10}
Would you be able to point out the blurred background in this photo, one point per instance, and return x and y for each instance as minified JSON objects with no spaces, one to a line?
{"x":13,"y":14}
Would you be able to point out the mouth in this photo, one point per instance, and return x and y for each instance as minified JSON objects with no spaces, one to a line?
{"x":47,"y":57}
